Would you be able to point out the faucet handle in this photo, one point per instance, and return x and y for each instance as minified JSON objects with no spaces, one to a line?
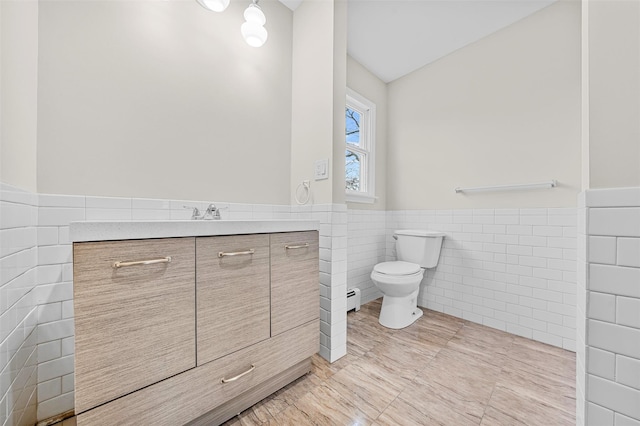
{"x":195,"y":215}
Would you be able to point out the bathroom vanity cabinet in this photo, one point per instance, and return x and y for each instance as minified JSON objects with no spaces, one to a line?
{"x":191,"y":329}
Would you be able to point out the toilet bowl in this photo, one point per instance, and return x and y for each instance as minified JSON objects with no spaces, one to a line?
{"x":399,"y":281}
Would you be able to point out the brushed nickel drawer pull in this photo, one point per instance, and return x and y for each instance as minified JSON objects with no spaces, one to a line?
{"x":235,"y":253}
{"x":117,"y":265}
{"x":233,"y":379}
{"x":305,"y":245}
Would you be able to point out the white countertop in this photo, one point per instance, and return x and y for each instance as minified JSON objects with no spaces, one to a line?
{"x":142,"y":229}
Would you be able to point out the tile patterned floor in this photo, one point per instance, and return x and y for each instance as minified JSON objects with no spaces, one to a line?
{"x":439,"y":371}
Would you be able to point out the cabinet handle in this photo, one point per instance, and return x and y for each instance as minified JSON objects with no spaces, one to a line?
{"x":235,"y":253}
{"x":117,"y":265}
{"x":234,"y":378}
{"x":288,"y":246}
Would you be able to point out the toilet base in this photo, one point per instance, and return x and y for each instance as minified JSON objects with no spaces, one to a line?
{"x":399,"y":312}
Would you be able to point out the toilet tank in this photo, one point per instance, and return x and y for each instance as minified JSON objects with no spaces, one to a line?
{"x":418,"y":246}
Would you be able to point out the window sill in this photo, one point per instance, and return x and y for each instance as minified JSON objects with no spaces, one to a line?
{"x":351,"y":197}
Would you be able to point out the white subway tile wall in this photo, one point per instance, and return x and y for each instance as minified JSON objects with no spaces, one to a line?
{"x":18,"y":306}
{"x":333,"y":275}
{"x":366,"y":248}
{"x":510,"y":269}
{"x":611,"y":379}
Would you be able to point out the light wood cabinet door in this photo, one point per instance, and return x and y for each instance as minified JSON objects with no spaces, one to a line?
{"x":232,"y":291}
{"x":135,"y":324}
{"x":187,"y":396}
{"x":295,"y":282}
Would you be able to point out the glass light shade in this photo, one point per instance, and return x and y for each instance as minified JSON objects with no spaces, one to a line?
{"x":214,"y":5}
{"x":255,"y":35}
{"x":253,"y":13}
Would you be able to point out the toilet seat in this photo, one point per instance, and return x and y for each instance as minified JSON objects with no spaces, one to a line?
{"x":397,"y":268}
{"x":397,"y":273}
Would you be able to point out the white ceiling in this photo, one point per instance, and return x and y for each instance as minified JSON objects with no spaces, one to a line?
{"x":392,"y":38}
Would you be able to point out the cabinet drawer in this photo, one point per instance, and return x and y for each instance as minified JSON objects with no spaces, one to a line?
{"x":232,"y":293}
{"x":295,"y":282}
{"x":134,"y":324}
{"x":189,"y":395}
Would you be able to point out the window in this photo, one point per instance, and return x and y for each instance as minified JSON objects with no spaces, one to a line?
{"x":360,"y":116}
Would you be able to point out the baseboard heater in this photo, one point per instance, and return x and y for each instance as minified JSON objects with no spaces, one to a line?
{"x":353,"y":299}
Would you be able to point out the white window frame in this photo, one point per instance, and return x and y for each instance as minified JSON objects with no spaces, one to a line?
{"x":367,"y":110}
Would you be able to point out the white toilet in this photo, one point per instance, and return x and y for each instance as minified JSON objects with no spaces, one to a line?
{"x":399,"y":281}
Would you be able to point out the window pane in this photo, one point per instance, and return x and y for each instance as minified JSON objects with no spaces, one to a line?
{"x":352,"y":163}
{"x":352,"y":121}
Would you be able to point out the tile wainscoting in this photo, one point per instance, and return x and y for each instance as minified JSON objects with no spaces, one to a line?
{"x":608,"y":370}
{"x":367,"y":241}
{"x":333,"y":275}
{"x":511,"y":269}
{"x":18,"y":306}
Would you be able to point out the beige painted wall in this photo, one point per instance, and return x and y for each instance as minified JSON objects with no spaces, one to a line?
{"x":614,"y":93}
{"x":18,"y":85}
{"x":339,"y":98}
{"x":371,"y":87}
{"x":319,"y":75}
{"x":503,"y":110}
{"x":163,"y":99}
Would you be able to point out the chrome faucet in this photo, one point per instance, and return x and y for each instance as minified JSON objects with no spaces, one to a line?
{"x":212,"y":213}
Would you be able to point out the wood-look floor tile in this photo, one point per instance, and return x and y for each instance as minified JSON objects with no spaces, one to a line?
{"x":297,"y":389}
{"x":427,"y":344}
{"x":404,"y":360}
{"x":471,"y":379}
{"x":371,"y":320}
{"x":543,"y":359}
{"x":434,"y":326}
{"x":367,"y":311}
{"x":442,"y":319}
{"x":399,"y":413}
{"x":254,"y":417}
{"x":291,"y":416}
{"x":488,"y":337}
{"x":472,"y":348}
{"x":363,"y":336}
{"x":560,"y":369}
{"x":545,"y":390}
{"x":441,"y":403}
{"x":371,"y":386}
{"x":270,"y":406}
{"x":508,"y":408}
{"x":323,"y":369}
{"x":542,"y":347}
{"x":359,"y":340}
{"x":325,"y":406}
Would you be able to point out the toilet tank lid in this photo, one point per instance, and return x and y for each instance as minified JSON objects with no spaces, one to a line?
{"x":397,"y":267}
{"x":419,"y":233}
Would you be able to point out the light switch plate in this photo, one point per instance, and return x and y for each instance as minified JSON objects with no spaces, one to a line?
{"x":321,"y":169}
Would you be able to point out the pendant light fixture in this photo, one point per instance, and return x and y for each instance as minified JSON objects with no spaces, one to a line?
{"x":214,"y":5}
{"x":253,"y":29}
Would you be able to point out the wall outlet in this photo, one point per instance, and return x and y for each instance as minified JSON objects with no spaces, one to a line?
{"x":321,"y":169}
